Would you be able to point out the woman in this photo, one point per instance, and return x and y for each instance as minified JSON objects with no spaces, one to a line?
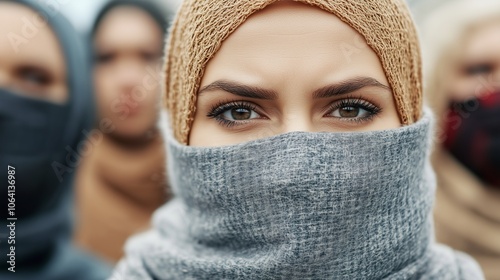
{"x":298,"y":148}
{"x":45,"y":104}
{"x":463,"y":82}
{"x":121,"y":183}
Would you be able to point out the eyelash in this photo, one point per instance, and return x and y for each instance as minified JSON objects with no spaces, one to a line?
{"x":358,"y":102}
{"x":220,"y":108}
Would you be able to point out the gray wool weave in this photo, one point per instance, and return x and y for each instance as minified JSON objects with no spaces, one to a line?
{"x":299,"y":206}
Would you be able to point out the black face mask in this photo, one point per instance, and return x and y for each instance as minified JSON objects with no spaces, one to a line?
{"x":473,"y":136}
{"x":31,"y":137}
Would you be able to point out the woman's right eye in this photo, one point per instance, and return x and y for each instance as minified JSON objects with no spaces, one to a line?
{"x":479,"y":69}
{"x":105,"y":58}
{"x":240,"y":114}
{"x":233,"y":113}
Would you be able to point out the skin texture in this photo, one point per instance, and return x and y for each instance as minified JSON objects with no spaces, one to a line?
{"x":294,"y":53}
{"x":128,"y":47}
{"x":477,"y":72}
{"x":31,"y":59}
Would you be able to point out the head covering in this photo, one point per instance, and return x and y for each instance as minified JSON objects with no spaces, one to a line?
{"x":44,"y":145}
{"x":317,"y":205}
{"x":143,"y":5}
{"x":117,"y":182}
{"x":386,"y":25}
{"x":467,"y":213}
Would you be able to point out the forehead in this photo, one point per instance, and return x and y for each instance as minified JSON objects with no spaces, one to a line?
{"x":299,"y":39}
{"x":484,"y":37}
{"x":292,"y":22}
{"x":128,"y":24}
{"x":26,"y":38}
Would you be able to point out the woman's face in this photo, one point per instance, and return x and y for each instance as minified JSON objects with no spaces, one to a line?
{"x":128,"y":46}
{"x":291,"y":67}
{"x":31,"y":59}
{"x":478,"y":71}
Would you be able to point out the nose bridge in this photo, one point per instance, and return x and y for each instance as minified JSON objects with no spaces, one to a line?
{"x":298,"y":120}
{"x":130,"y":72}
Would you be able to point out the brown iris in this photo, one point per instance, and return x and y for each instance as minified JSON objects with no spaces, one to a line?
{"x":349,"y":112}
{"x":241,"y":114}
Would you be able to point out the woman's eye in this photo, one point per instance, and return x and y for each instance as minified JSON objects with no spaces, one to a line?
{"x":240,"y":114}
{"x":353,"y":110}
{"x":350,"y":112}
{"x":480,"y":69}
{"x":105,"y":58}
{"x":32,"y":77}
{"x":150,"y":57}
{"x":234,"y":113}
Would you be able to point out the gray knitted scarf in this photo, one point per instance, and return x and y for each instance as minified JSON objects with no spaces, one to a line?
{"x":299,"y":206}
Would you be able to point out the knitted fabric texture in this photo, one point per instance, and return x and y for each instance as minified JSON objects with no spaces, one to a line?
{"x":201,"y":27}
{"x":347,"y":206}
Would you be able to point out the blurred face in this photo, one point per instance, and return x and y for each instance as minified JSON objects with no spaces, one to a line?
{"x":478,"y":71}
{"x":128,"y":47}
{"x":291,"y":67}
{"x":31,"y":59}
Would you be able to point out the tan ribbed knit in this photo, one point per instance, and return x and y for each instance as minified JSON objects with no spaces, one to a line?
{"x":202,"y":25}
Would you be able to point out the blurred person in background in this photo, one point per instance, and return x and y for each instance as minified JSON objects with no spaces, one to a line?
{"x":122,"y":181}
{"x":45,"y":107}
{"x":461,"y":43}
{"x":298,"y":147}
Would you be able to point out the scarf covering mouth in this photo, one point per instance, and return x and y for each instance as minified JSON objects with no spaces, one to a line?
{"x":299,"y":206}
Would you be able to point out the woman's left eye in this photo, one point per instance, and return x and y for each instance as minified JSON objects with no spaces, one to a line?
{"x":350,"y":112}
{"x":479,"y":69}
{"x":150,"y":56}
{"x":240,"y":114}
{"x":353,"y":109}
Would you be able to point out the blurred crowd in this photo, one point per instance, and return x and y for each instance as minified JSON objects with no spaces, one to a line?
{"x":79,"y":122}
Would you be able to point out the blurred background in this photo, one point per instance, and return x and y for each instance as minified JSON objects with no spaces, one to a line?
{"x":82,"y":12}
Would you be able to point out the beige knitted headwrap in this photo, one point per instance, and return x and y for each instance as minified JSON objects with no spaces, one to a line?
{"x":201,"y":26}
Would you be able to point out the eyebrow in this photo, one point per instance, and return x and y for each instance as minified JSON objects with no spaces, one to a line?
{"x":347,"y":87}
{"x":240,"y":90}
{"x":341,"y":88}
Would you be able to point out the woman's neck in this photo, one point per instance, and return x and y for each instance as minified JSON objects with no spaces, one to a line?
{"x":132,"y":167}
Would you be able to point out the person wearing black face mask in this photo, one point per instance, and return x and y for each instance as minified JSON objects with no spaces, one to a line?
{"x":45,"y":104}
{"x":463,"y":86}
